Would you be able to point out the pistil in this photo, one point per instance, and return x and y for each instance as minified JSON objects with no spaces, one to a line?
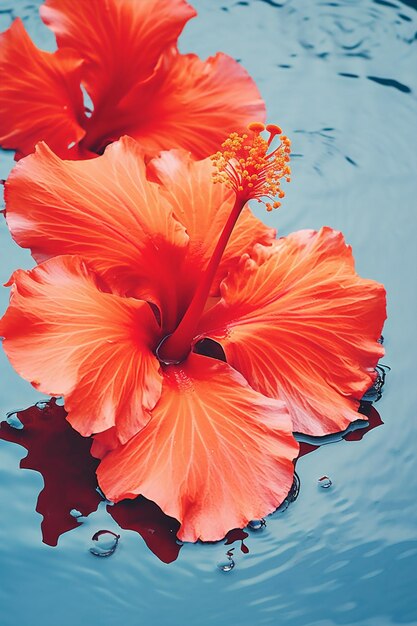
{"x":176,"y":347}
{"x":246,"y":166}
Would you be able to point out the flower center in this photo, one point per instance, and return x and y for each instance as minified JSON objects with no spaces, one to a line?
{"x":254,"y":174}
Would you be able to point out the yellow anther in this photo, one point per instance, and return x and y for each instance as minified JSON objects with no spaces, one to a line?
{"x":246,"y":166}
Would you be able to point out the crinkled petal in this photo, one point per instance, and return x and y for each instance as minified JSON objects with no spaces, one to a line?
{"x":103,"y":209}
{"x":40,"y":95}
{"x":203,"y":208}
{"x":120,"y":40}
{"x":69,"y":338}
{"x":214,"y":455}
{"x":190,"y":104}
{"x":301,"y":325}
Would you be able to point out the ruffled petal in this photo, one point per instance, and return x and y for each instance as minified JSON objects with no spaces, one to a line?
{"x":301,"y":325}
{"x":40,"y":95}
{"x":214,"y":455}
{"x":103,"y":209}
{"x":190,"y":104}
{"x":203,"y":208}
{"x":69,"y":338}
{"x":120,"y":40}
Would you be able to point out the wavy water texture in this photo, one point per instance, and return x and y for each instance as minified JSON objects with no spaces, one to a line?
{"x":339,"y":76}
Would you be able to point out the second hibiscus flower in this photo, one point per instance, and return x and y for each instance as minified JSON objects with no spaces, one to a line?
{"x":124,"y":54}
{"x":157,"y":259}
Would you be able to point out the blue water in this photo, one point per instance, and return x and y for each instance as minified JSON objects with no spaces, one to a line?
{"x":340,"y":77}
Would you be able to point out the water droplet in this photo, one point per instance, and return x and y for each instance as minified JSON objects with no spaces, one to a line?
{"x":42,"y":404}
{"x":14,"y":421}
{"x":227,"y":565}
{"x":325,"y":482}
{"x":257,"y":524}
{"x":374,"y":393}
{"x":292,"y":494}
{"x":105,"y":543}
{"x":295,"y":489}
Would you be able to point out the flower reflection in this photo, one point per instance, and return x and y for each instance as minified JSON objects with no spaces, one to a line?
{"x":63,"y":458}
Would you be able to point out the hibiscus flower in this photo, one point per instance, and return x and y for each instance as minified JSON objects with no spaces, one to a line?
{"x":140,"y":268}
{"x":124,"y":54}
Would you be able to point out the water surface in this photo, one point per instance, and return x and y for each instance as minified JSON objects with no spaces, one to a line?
{"x":340,"y":78}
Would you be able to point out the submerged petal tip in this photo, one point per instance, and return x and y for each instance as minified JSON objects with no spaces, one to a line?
{"x":245,"y":164}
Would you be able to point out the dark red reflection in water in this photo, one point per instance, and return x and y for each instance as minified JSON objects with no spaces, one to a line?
{"x":157,"y":529}
{"x":63,"y":458}
{"x":237,"y":534}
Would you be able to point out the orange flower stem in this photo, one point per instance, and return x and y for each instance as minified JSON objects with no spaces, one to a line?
{"x":176,"y":347}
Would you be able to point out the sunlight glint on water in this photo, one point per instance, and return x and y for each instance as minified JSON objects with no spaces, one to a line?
{"x":340,"y":78}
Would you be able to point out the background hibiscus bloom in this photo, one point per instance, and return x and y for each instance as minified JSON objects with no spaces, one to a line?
{"x":124,"y":54}
{"x":293,"y":317}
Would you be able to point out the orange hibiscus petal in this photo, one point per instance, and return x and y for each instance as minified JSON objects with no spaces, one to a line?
{"x":40,"y":95}
{"x":190,"y":104}
{"x":301,"y":325}
{"x":203,"y":208}
{"x":214,"y":455}
{"x":69,"y":338}
{"x":103,"y":209}
{"x":104,"y":442}
{"x":120,"y":40}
